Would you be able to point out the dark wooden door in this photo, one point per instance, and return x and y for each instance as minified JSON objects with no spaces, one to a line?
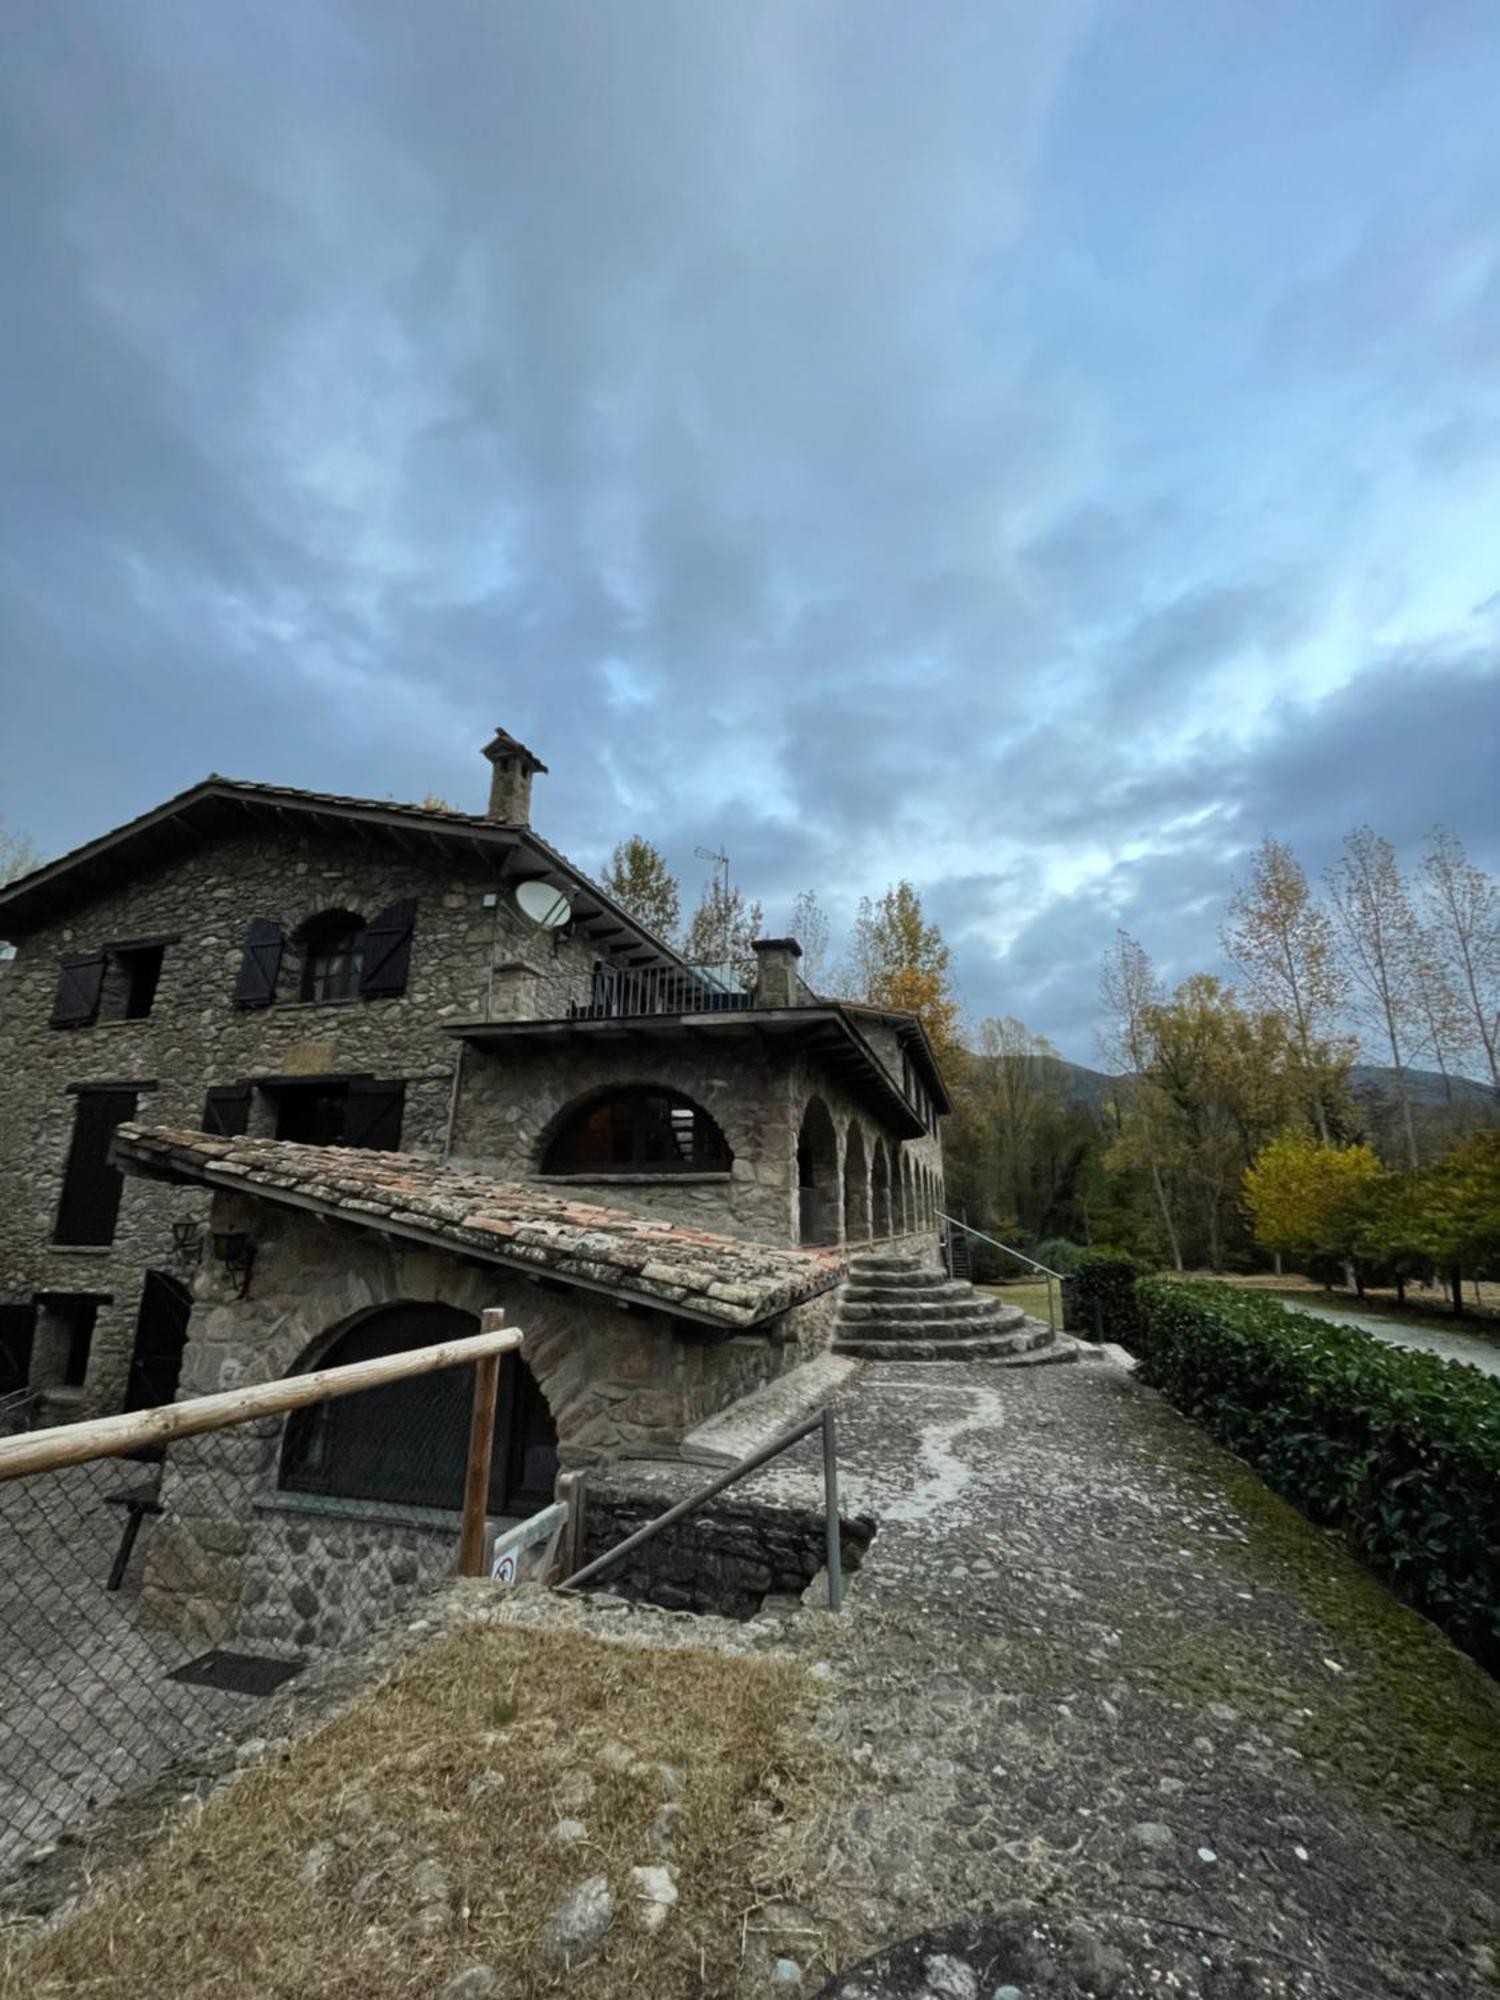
{"x":160,"y":1336}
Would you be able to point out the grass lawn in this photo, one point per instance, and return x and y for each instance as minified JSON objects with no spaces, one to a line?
{"x":1421,"y":1308}
{"x":1030,"y":1295}
{"x":418,"y":1835}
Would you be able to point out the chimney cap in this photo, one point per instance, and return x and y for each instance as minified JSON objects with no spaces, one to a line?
{"x":503,"y":744}
{"x":786,"y":944}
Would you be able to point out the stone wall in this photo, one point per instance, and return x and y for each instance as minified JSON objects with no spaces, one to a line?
{"x":195,"y":1037}
{"x":232,"y":1557}
{"x":728,"y":1559}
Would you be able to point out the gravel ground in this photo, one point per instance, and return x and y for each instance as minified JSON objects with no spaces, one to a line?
{"x":1472,"y":1349}
{"x":1107,"y":1719}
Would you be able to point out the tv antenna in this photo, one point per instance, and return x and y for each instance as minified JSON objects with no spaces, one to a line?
{"x":720,"y":860}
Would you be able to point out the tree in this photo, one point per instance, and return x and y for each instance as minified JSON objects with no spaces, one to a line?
{"x":724,"y":929}
{"x":811,"y":930}
{"x":1456,"y":1207}
{"x":1463,"y":914}
{"x":899,"y":960}
{"x":641,"y":883}
{"x":18,"y":854}
{"x":1307,"y":1199}
{"x":1379,"y":948}
{"x":1284,"y":945}
{"x":1128,"y":987}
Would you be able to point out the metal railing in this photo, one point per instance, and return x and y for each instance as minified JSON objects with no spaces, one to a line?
{"x":1052,"y":1277}
{"x":823,"y":1422}
{"x":18,"y":1411}
{"x":617,"y":992}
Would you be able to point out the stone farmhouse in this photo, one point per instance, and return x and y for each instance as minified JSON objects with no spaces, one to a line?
{"x":293,"y":1079}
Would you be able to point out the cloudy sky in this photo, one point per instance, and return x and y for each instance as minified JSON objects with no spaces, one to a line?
{"x":1030,"y":449}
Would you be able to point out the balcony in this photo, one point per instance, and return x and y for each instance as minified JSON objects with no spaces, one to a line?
{"x":618,"y":993}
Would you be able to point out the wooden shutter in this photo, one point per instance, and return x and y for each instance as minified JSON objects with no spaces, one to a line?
{"x":372,"y":1115}
{"x":91,"y":1186}
{"x":256,"y":984}
{"x":387,"y":950}
{"x":78,"y":988}
{"x":226,"y":1109}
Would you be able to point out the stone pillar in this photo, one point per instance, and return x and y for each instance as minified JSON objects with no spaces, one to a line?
{"x":776,"y":983}
{"x":515,"y":992}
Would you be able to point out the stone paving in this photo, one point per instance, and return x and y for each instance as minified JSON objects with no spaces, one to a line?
{"x":1471,"y":1349}
{"x":1105,"y":1719}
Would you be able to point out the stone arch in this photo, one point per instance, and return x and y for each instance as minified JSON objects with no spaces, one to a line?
{"x":880,"y":1190}
{"x":856,"y":1186}
{"x":819,"y":1199}
{"x":630,"y":1128}
{"x":406,"y":1443}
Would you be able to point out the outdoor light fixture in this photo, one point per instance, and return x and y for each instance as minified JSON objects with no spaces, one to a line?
{"x":187,"y":1241}
{"x":236,"y":1253}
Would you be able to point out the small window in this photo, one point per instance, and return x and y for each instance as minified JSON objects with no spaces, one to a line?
{"x":63,"y":1339}
{"x":131,"y":973}
{"x":341,"y":1111}
{"x":90,"y":1202}
{"x":333,"y":956}
{"x":639,"y":1131}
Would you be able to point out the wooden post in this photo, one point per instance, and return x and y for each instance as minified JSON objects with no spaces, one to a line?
{"x":477,"y":1477}
{"x":572,"y":1490}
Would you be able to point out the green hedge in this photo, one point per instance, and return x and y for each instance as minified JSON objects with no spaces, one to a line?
{"x":1099,"y":1298}
{"x":1397,"y":1451}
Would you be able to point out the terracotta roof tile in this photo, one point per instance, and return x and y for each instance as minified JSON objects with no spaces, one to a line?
{"x":516,"y":1223}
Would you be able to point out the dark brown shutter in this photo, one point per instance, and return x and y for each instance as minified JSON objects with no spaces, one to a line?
{"x":226,"y":1109}
{"x":78,"y":987}
{"x":387,"y":953}
{"x":372,"y":1115}
{"x":91,"y":1186}
{"x":256,"y":984}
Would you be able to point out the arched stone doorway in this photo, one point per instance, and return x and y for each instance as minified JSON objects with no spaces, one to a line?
{"x":880,"y":1190}
{"x":406,"y":1443}
{"x":856,"y":1187}
{"x":818,"y":1203}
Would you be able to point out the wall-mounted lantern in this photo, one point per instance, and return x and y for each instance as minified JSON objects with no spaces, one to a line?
{"x":187,"y":1242}
{"x":235,"y":1251}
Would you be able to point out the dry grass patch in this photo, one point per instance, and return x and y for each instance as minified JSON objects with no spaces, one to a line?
{"x":415,"y":1836}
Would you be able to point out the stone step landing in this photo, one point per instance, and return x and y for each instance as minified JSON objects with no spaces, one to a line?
{"x":896,"y":1308}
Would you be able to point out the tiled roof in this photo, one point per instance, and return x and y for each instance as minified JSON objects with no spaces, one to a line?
{"x":524,"y":1225}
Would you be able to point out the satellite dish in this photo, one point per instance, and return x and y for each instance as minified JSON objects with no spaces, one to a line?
{"x":546,"y":906}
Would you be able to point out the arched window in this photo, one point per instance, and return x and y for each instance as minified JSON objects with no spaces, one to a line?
{"x":819,"y":1207}
{"x":408,"y":1442}
{"x":638,"y":1131}
{"x":333,"y":952}
{"x":856,"y":1188}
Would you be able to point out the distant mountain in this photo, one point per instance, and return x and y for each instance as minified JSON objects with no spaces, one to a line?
{"x":1373,"y":1084}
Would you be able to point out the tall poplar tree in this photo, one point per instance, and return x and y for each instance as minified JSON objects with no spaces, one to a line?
{"x":641,"y":883}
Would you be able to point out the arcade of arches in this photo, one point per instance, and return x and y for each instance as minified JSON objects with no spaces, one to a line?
{"x":853,"y":1189}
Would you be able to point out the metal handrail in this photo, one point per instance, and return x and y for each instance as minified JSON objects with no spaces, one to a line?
{"x":823,"y":1421}
{"x":1020,"y":1256}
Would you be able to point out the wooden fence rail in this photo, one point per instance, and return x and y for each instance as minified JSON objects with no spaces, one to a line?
{"x":107,"y":1437}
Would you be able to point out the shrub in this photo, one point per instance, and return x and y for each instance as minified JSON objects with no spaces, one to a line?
{"x":1397,"y":1451}
{"x":1099,"y":1298}
{"x":1059,"y":1254}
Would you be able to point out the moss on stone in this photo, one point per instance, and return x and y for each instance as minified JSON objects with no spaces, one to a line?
{"x":1402,"y":1719}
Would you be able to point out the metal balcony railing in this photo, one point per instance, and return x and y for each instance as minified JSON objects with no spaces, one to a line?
{"x":616,"y":992}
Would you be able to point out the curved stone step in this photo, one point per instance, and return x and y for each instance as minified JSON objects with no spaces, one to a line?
{"x":901,"y":1278}
{"x":973,"y":1306}
{"x":1034,"y":1346}
{"x":896,"y":1297}
{"x":883,"y":1331}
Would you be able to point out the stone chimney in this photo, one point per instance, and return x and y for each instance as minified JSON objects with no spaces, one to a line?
{"x":513,"y":768}
{"x":776,"y":983}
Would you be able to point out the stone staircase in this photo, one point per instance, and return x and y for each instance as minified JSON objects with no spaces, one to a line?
{"x":896,"y":1308}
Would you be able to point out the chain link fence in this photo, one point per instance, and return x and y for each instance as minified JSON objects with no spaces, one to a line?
{"x":148,"y":1599}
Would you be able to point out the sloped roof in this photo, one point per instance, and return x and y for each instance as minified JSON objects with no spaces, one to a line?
{"x":218,"y":805}
{"x":694,"y":1273}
